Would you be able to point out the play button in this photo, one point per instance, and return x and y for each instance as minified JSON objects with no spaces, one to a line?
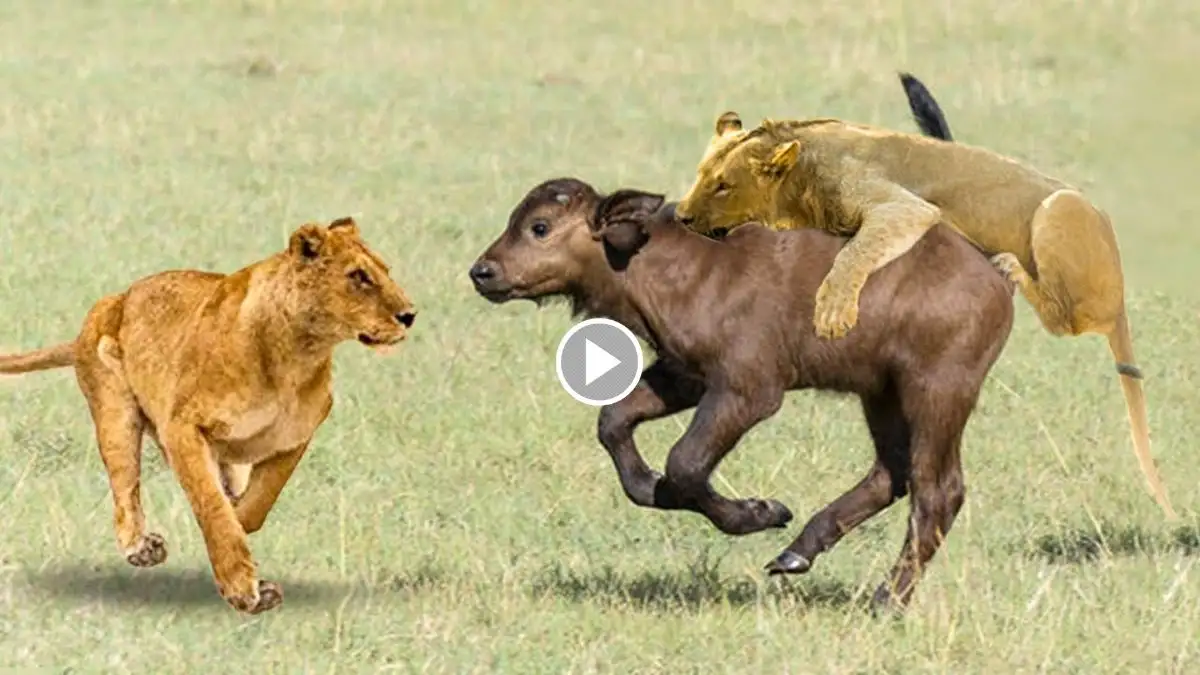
{"x":596,"y":362}
{"x":599,"y":362}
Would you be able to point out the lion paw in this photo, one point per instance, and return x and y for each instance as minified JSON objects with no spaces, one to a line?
{"x":267,"y":595}
{"x":150,"y":550}
{"x":835,"y":313}
{"x":1009,"y":266}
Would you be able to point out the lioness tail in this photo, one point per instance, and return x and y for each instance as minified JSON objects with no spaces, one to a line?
{"x":925,"y":109}
{"x":1120,"y":341}
{"x":58,"y":356}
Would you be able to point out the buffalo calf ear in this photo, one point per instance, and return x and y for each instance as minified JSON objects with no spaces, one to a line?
{"x":620,"y":218}
{"x":306,"y":242}
{"x":625,"y":236}
{"x":628,"y":204}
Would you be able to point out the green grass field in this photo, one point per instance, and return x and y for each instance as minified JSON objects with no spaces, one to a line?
{"x":456,"y":513}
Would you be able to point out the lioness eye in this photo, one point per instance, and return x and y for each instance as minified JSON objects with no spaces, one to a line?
{"x":539,"y":229}
{"x":361,"y":277}
{"x":722,"y":186}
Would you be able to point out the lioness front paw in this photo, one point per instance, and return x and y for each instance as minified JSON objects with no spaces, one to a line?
{"x":150,"y":550}
{"x":835,"y":313}
{"x":264,"y":596}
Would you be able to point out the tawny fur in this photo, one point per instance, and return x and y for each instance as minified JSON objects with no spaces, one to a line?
{"x":231,"y":375}
{"x":888,"y":188}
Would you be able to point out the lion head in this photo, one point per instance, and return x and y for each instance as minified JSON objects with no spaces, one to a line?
{"x":739,"y":176}
{"x":345,"y":287}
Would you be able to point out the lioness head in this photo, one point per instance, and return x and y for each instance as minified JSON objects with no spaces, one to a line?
{"x":348,"y":293}
{"x":738,"y":178}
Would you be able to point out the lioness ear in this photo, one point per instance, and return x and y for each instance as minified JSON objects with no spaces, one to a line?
{"x":345,"y":223}
{"x":728,"y":123}
{"x":620,"y":218}
{"x":782,"y":160}
{"x":306,"y":241}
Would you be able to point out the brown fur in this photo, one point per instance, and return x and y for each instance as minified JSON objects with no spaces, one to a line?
{"x":731,"y":323}
{"x":231,"y":375}
{"x":888,"y":188}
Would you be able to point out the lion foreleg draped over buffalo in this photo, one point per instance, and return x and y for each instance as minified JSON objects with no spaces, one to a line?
{"x":888,"y":188}
{"x":731,"y":324}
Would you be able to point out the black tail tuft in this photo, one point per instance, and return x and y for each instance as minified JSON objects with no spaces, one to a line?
{"x":926,"y":111}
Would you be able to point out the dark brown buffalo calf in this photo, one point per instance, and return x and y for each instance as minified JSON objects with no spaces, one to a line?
{"x":731,"y":323}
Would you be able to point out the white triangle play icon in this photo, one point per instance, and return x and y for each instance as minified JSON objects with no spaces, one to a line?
{"x":596,"y":362}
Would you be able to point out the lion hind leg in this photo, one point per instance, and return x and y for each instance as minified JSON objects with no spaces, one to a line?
{"x":119,"y":427}
{"x":1079,"y":286}
{"x":1081,"y":289}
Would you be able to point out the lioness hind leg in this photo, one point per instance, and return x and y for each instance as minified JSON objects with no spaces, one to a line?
{"x":1079,"y":287}
{"x":119,"y":429}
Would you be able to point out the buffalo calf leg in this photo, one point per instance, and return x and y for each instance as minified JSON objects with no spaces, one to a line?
{"x":937,"y":496}
{"x":873,"y":494}
{"x":660,"y":393}
{"x":721,"y":419}
{"x":886,"y":482}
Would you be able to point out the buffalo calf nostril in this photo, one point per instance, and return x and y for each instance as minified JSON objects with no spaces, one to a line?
{"x":482,"y":271}
{"x":406,"y":319}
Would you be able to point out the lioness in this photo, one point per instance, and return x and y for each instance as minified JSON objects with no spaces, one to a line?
{"x":231,"y":375}
{"x":887,"y":188}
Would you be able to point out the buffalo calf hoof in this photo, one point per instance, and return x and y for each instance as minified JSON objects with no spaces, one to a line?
{"x":789,"y":563}
{"x":773,"y":513}
{"x":885,"y":605}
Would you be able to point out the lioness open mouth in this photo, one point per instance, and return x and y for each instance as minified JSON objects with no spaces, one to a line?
{"x":719,"y":233}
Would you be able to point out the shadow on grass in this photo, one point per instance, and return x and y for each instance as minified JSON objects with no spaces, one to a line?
{"x":693,"y":589}
{"x":163,"y":586}
{"x":1083,"y":545}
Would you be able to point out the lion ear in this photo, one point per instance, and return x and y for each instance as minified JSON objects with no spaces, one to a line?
{"x":782,"y":160}
{"x":307,"y":241}
{"x":728,"y":123}
{"x":345,"y":223}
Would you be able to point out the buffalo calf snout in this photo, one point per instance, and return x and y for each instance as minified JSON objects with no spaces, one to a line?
{"x":482,"y":271}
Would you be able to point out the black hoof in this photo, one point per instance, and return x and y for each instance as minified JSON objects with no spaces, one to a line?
{"x":884,"y":605}
{"x":779,"y":515}
{"x":788,"y":563}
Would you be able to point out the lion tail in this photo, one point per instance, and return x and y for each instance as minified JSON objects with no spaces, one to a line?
{"x":58,"y":356}
{"x":925,"y":109}
{"x":1121,"y":343}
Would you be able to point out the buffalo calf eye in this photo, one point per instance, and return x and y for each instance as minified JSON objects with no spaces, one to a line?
{"x":539,"y":229}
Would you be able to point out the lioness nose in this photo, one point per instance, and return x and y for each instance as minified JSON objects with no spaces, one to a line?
{"x":482,"y":271}
{"x":406,"y":319}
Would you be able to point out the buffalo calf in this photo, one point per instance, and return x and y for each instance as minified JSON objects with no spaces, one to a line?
{"x":731,"y":323}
